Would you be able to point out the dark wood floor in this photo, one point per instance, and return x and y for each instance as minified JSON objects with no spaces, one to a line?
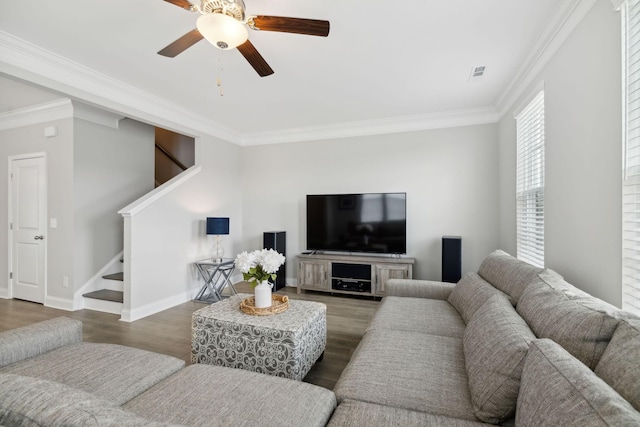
{"x":169,"y":332}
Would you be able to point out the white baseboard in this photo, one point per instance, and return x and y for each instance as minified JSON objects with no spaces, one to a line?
{"x":155,"y":307}
{"x":59,"y":303}
{"x":4,"y":293}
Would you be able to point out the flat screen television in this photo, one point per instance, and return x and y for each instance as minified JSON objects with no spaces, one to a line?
{"x":371,"y":223}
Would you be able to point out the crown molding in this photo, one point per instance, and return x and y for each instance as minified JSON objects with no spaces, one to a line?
{"x":41,"y":113}
{"x":29,"y":62}
{"x":401,"y":124}
{"x":96,"y":115}
{"x":34,"y":64}
{"x":556,"y":33}
{"x":59,"y":109}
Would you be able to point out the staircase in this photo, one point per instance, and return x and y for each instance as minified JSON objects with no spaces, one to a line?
{"x":110,"y":298}
{"x":174,"y":153}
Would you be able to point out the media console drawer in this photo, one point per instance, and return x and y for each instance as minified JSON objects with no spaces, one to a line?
{"x":350,"y":274}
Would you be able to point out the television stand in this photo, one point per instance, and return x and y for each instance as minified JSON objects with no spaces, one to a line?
{"x":350,"y":274}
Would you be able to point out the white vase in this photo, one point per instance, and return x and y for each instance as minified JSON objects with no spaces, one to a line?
{"x":262,"y":294}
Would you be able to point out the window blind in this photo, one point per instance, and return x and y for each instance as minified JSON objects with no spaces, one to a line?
{"x":631,"y":184}
{"x":530,"y":182}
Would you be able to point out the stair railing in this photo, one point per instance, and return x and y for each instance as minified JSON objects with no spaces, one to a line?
{"x":171,"y":157}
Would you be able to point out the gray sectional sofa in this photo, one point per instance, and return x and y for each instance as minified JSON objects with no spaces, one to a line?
{"x":510,"y":344}
{"x":50,"y":377}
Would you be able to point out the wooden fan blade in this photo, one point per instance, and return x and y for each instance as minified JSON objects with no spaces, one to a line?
{"x":312,"y":27}
{"x":255,"y":59}
{"x":181,"y":3}
{"x":182,"y":44}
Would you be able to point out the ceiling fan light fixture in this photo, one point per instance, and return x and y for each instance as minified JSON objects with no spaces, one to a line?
{"x":222,"y":31}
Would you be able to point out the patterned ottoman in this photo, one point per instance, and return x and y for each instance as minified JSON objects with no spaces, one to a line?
{"x":286,"y":344}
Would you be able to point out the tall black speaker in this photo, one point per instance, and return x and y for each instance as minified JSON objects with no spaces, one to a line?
{"x":277,"y":240}
{"x":451,"y":258}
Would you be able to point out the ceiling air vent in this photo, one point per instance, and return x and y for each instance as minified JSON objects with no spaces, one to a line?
{"x":477,"y":73}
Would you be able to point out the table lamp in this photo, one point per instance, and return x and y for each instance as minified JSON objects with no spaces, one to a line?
{"x":217,"y":226}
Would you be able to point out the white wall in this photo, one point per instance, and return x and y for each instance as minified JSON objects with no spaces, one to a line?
{"x":168,"y":236}
{"x":450,"y":177}
{"x":112,"y":168}
{"x":583,"y":158}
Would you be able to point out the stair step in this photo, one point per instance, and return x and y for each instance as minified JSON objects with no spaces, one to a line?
{"x":115,"y":276}
{"x":106,"y":295}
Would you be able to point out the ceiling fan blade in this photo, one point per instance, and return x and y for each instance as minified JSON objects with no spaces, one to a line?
{"x":185,"y":4}
{"x":312,"y":27}
{"x":182,"y":44}
{"x":255,"y":59}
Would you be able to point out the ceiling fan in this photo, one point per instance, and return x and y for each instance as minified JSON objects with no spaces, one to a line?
{"x":223,"y":24}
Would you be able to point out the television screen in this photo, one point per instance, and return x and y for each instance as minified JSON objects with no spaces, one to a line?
{"x":372,"y":222}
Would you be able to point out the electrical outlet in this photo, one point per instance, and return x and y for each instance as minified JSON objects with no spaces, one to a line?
{"x":65,"y":282}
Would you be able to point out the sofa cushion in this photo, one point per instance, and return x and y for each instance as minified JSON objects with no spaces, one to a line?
{"x":113,"y":372}
{"x":558,"y":390}
{"x":418,"y":288}
{"x":619,"y":365}
{"x":351,"y":413}
{"x":22,"y":343}
{"x":495,"y":343}
{"x":470,"y":293}
{"x":555,"y":281}
{"x":429,"y":316}
{"x":507,"y":273}
{"x":26,"y":401}
{"x":204,"y":395}
{"x":408,"y":370}
{"x":580,"y":323}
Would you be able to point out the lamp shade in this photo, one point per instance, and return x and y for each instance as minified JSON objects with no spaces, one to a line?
{"x":222,"y":31}
{"x":218,"y":226}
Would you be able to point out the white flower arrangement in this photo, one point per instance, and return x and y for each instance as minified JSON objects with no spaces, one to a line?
{"x":260,"y":265}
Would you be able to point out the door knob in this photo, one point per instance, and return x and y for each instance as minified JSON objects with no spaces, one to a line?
{"x":39,"y":237}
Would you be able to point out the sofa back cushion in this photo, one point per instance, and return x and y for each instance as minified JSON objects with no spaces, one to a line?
{"x":495,"y":344}
{"x":470,"y":293}
{"x":619,"y":365}
{"x":507,"y":273}
{"x":558,"y":390}
{"x":22,"y":343}
{"x":580,"y":323}
{"x":27,"y":401}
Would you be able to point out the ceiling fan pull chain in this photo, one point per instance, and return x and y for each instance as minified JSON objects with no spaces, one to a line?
{"x":219,"y":81}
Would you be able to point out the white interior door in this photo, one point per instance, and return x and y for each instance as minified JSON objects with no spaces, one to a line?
{"x":28,"y":226}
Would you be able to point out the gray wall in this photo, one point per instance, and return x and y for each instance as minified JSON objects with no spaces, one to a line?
{"x":59,"y":160}
{"x":583,"y":199}
{"x":112,"y":168}
{"x":450,"y":177}
{"x":92,"y":172}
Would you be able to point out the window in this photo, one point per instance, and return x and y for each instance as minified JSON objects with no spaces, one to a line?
{"x":530,"y":182}
{"x":631,"y":136}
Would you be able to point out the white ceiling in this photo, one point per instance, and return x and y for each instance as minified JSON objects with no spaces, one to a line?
{"x":383,"y":61}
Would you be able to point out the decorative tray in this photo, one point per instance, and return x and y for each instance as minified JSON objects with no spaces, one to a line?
{"x":279,"y":303}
